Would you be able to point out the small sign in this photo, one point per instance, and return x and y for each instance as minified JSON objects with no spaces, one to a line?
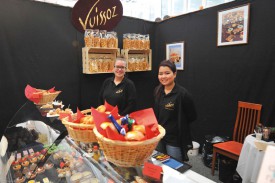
{"x":18,"y":156}
{"x":25,"y":153}
{"x":152,"y":171}
{"x":31,"y":151}
{"x":96,"y":14}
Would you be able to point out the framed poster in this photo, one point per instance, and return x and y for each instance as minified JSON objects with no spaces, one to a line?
{"x":233,"y":26}
{"x":175,"y":53}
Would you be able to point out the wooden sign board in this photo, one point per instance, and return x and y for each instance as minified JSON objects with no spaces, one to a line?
{"x":96,"y":14}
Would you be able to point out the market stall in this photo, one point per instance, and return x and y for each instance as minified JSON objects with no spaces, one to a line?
{"x":35,"y":151}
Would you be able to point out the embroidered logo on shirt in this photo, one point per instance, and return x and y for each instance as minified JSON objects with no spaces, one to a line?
{"x":119,"y":91}
{"x":169,"y":106}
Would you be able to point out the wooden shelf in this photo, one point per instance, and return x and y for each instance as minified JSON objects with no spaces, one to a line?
{"x":101,"y":60}
{"x":100,"y":50}
{"x":139,"y":51}
{"x":98,"y":60}
{"x":138,"y":60}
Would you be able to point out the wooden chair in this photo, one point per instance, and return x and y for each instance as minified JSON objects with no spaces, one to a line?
{"x":248,"y":116}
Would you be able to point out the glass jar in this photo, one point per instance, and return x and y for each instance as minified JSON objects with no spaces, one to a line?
{"x":140,"y":63}
{"x":126,"y":41}
{"x":138,"y":42}
{"x":116,"y":39}
{"x":132,"y":41}
{"x":105,"y":65}
{"x":144,"y":64}
{"x":100,"y":64}
{"x":110,"y":64}
{"x":147,"y":42}
{"x":142,"y":42}
{"x":93,"y":65}
{"x":131,"y":64}
{"x":95,"y":38}
{"x":87,"y":37}
{"x":111,"y":40}
{"x":136,"y":65}
{"x":103,"y":39}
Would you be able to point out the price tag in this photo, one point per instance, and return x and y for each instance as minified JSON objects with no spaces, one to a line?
{"x":31,"y":151}
{"x":18,"y":156}
{"x":25,"y":153}
{"x":152,"y":171}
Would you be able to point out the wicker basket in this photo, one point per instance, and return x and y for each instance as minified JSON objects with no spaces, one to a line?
{"x":80,"y":132}
{"x":128,"y":153}
{"x":47,"y":97}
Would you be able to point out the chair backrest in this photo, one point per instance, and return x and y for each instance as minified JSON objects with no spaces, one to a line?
{"x":248,"y":116}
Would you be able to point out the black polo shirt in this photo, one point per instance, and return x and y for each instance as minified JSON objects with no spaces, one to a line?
{"x":123,"y":95}
{"x":174,"y":112}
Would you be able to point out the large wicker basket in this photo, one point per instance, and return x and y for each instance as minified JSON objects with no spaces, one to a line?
{"x":47,"y":97}
{"x":80,"y":132}
{"x":128,"y":153}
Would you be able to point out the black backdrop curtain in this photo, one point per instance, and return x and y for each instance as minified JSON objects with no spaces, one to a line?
{"x":220,"y":76}
{"x":39,"y":46}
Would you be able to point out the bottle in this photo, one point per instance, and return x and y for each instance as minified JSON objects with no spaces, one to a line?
{"x":266,"y":132}
{"x":259,"y":128}
{"x":96,"y":153}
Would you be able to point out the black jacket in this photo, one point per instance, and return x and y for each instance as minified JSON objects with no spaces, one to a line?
{"x":175,"y":111}
{"x":123,"y":95}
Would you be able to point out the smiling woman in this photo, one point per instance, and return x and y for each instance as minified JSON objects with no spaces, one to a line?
{"x":119,"y":90}
{"x":166,"y":78}
{"x":119,"y":70}
{"x":175,"y":110}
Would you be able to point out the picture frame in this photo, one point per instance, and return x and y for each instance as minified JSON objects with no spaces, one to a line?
{"x":175,"y":53}
{"x":233,"y":25}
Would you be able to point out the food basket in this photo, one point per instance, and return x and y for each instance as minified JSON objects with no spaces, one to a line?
{"x":80,"y":132}
{"x":128,"y":153}
{"x":47,"y":96}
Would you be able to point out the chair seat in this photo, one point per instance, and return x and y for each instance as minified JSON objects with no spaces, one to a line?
{"x":230,"y":146}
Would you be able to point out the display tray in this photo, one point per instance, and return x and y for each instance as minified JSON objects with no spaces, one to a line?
{"x":70,"y":161}
{"x":126,"y":174}
{"x":117,"y":173}
{"x":54,"y":163}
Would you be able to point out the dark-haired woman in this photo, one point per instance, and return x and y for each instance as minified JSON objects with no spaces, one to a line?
{"x":175,"y":110}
